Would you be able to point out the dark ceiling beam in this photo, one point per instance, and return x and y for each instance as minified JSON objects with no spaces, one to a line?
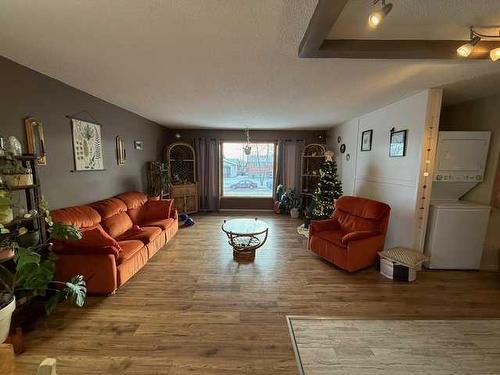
{"x":401,"y":49}
{"x":315,"y":44}
{"x":322,"y":20}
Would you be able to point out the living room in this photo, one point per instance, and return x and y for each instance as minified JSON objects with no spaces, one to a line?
{"x":264,"y":187}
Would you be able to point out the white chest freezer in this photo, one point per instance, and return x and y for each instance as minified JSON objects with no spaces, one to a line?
{"x":455,"y":234}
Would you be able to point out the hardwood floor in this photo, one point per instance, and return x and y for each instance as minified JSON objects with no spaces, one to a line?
{"x":193,"y":310}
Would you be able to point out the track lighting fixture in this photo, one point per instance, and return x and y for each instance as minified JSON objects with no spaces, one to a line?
{"x":378,"y":15}
{"x":495,"y":54}
{"x":475,"y":37}
{"x":465,"y":49}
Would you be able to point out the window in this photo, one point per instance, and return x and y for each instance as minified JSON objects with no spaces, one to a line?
{"x":249,"y":175}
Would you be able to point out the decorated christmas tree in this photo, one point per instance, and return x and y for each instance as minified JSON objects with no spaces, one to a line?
{"x":328,"y":189}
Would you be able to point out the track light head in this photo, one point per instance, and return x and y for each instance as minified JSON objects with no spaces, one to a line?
{"x":377,"y":16}
{"x":466,"y":49}
{"x":495,"y":54}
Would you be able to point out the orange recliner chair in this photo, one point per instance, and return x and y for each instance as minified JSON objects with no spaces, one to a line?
{"x":354,"y":234}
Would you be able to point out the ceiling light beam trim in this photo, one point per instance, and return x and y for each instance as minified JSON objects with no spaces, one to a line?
{"x":315,"y":45}
{"x":401,"y":49}
{"x":322,"y":20}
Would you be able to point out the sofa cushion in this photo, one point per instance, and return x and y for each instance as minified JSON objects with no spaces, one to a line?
{"x":94,"y":241}
{"x":146,"y":235}
{"x":78,"y":216}
{"x":334,"y":237}
{"x":117,"y":225}
{"x":133,"y":199}
{"x":128,"y":249}
{"x":109,"y":207}
{"x":157,"y":210}
{"x":162,"y":224}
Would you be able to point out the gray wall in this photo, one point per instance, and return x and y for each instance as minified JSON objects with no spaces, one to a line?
{"x":24,"y":92}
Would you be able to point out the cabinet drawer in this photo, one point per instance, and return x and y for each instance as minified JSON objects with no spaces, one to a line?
{"x":181,"y":190}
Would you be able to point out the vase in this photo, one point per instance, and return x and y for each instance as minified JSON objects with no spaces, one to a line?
{"x":5,"y":318}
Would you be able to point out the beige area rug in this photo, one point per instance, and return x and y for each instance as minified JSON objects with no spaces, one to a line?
{"x":375,"y":347}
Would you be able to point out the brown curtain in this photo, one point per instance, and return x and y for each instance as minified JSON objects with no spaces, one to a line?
{"x":288,"y":171}
{"x":208,"y":166}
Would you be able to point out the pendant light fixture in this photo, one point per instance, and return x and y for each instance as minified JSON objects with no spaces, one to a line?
{"x":378,"y":15}
{"x":247,"y":148}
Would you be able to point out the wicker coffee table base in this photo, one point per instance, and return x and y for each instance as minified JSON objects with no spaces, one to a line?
{"x":244,"y":255}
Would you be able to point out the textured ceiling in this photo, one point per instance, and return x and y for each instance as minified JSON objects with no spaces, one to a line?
{"x":217,"y":63}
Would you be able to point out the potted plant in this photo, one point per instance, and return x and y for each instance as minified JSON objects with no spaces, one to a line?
{"x":158,"y":180}
{"x":6,"y":214}
{"x":295,"y":204}
{"x":14,"y":173}
{"x":31,"y":272}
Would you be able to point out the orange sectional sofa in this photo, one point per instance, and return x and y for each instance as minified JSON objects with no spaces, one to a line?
{"x":354,"y":235}
{"x":119,"y":236}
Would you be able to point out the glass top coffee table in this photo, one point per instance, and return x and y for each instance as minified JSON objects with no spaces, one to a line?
{"x":245,"y":236}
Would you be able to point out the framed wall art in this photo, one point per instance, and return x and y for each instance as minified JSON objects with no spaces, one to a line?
{"x":35,"y":140}
{"x":397,"y":146}
{"x":87,"y":146}
{"x":138,"y":145}
{"x":121,"y":154}
{"x":366,"y":140}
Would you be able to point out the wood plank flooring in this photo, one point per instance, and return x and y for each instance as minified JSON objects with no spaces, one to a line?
{"x":193,"y":310}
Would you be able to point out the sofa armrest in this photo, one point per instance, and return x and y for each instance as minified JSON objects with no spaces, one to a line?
{"x":174,"y":214}
{"x":98,"y":270}
{"x":358,"y":235}
{"x":323,"y":225}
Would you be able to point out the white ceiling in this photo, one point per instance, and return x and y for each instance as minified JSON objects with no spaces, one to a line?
{"x":221,"y":63}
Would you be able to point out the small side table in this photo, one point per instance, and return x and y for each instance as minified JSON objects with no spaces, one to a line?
{"x":245,"y":236}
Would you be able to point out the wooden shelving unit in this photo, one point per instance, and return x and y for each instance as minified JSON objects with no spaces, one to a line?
{"x":33,"y":196}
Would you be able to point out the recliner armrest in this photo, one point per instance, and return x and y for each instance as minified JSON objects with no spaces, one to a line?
{"x":358,"y":235}
{"x":323,"y":225}
{"x":174,"y":214}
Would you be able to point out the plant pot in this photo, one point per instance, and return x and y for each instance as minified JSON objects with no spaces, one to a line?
{"x":6,"y":253}
{"x":5,"y":317}
{"x":307,"y":222}
{"x":6,"y":215}
{"x":19,"y":179}
{"x":294,"y":213}
{"x":28,"y":239}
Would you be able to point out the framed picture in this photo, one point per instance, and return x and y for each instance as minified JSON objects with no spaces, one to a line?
{"x":35,"y":140}
{"x":366,"y":140}
{"x":138,"y":145}
{"x":87,"y":146}
{"x":121,"y":154}
{"x":397,"y":146}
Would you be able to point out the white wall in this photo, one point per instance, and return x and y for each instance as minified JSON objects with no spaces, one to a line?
{"x":373,"y":174}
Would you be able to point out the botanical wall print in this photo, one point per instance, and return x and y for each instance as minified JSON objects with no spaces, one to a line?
{"x":87,"y":146}
{"x":397,"y":147}
{"x":35,"y":140}
{"x":366,"y":140}
{"x":121,"y":155}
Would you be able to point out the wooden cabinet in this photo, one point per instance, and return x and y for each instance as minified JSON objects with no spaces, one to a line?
{"x":185,"y":197}
{"x":181,"y":161}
